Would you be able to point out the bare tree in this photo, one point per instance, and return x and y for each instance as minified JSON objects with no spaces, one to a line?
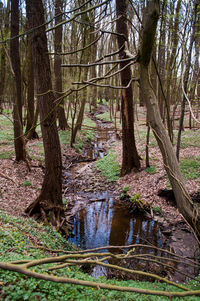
{"x":183,"y":200}
{"x":186,"y":77}
{"x":32,"y":114}
{"x":49,"y":202}
{"x":57,"y":63}
{"x":20,"y":153}
{"x":130,"y":158}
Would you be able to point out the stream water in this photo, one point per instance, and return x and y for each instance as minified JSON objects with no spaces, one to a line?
{"x":105,"y":221}
{"x":109,"y":223}
{"x":103,"y":134}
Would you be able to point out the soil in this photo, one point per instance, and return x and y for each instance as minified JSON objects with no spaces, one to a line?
{"x":82,"y":183}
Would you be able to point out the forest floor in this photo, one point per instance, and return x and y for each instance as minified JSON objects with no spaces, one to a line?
{"x":19,"y":187}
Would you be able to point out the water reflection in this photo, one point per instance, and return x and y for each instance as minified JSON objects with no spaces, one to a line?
{"x":108,"y":222}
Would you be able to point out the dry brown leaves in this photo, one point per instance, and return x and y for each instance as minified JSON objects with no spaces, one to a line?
{"x":148,"y":185}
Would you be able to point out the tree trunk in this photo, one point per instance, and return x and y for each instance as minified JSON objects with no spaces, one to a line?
{"x":4,"y":25}
{"x":85,"y":58}
{"x":20,"y":154}
{"x":183,"y":200}
{"x":57,"y":64}
{"x":161,"y":59}
{"x":30,"y":129}
{"x":2,"y":61}
{"x":130,"y":158}
{"x":49,"y":203}
{"x":185,"y":84}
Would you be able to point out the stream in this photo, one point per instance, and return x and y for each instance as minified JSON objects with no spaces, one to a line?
{"x":99,"y":219}
{"x":109,"y":223}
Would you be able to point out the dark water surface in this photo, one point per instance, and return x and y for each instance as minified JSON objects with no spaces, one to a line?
{"x":108,"y":223}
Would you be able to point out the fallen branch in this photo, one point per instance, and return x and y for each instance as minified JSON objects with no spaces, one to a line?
{"x":7,"y":177}
{"x":23,"y":270}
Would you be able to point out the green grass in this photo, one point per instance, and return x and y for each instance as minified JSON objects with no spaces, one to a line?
{"x":16,"y":237}
{"x":191,"y":167}
{"x":109,"y":167}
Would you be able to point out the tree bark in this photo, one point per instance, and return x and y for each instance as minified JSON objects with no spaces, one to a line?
{"x":186,"y":79}
{"x":20,"y":154}
{"x":130,"y":158}
{"x":2,"y":61}
{"x":49,"y":202}
{"x":183,"y":200}
{"x":31,"y":114}
{"x":57,"y":65}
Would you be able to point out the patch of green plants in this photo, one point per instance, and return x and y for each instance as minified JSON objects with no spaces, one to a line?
{"x":151,"y":170}
{"x":190,"y":138}
{"x":109,"y":167}
{"x":64,"y":136}
{"x":87,"y":134}
{"x":89,"y":122}
{"x":6,"y":130}
{"x":6,"y":155}
{"x":27,"y":183}
{"x":157,"y":210}
{"x":102,"y":101}
{"x":137,"y":204}
{"x":136,"y":198}
{"x":105,"y":116}
{"x":125,"y":191}
{"x":64,"y":200}
{"x":191,"y":167}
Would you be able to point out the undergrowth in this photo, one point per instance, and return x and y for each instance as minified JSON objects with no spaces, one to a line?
{"x":16,"y":237}
{"x":190,"y":167}
{"x":109,"y":167}
{"x":87,"y":134}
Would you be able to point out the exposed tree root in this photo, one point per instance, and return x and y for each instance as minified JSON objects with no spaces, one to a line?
{"x":49,"y":213}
